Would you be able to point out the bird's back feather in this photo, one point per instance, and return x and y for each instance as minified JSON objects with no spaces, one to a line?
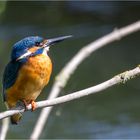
{"x":10,"y":75}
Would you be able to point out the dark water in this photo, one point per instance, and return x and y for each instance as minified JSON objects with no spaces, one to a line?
{"x":113,"y":113}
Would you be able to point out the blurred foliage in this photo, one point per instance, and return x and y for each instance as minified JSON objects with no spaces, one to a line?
{"x":60,"y":13}
{"x":2,"y":6}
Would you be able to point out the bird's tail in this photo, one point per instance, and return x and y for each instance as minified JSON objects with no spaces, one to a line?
{"x":16,"y":118}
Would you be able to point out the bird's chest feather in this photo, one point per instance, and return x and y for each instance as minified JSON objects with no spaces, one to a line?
{"x":37,"y":69}
{"x":31,"y":79}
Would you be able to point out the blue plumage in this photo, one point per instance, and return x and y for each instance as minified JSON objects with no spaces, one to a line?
{"x":23,"y":45}
{"x":10,"y":75}
{"x":12,"y":68}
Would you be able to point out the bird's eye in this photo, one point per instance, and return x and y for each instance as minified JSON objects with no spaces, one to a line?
{"x":38,"y":44}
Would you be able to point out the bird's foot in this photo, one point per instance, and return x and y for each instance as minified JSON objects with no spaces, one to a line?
{"x":33,"y":104}
{"x":25,"y":104}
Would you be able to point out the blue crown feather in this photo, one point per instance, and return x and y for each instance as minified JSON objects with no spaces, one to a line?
{"x":21,"y":46}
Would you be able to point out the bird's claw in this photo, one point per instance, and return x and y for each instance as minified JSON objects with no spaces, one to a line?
{"x":33,"y":104}
{"x":25,"y":104}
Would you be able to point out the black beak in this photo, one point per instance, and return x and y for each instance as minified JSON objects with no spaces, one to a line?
{"x":56,"y":40}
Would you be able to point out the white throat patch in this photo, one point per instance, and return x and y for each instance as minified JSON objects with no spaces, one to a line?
{"x":45,"y":51}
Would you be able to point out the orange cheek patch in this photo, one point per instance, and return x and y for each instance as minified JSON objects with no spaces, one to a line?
{"x":33,"y":49}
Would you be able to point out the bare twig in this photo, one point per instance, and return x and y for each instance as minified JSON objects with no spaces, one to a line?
{"x":4,"y":128}
{"x":121,"y":78}
{"x":69,"y":69}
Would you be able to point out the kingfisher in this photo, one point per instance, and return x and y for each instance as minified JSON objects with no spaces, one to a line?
{"x":27,"y":72}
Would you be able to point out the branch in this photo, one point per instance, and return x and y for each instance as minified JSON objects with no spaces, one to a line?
{"x":121,"y":78}
{"x":70,"y":68}
{"x":4,"y":128}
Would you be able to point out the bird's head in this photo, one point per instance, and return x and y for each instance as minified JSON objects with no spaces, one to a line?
{"x":31,"y":46}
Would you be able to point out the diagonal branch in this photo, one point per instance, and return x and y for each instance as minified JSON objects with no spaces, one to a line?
{"x":120,"y":78}
{"x":70,"y":68}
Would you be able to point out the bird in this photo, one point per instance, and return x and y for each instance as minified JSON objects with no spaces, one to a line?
{"x":27,"y":72}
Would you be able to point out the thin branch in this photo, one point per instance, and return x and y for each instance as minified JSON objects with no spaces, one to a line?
{"x":4,"y":128}
{"x":69,"y":69}
{"x":121,"y":78}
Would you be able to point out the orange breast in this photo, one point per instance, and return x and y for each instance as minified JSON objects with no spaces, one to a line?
{"x":32,"y":78}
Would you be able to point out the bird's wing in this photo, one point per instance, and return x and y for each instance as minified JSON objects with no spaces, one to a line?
{"x":10,"y":75}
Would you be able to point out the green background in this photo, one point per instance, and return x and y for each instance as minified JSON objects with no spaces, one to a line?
{"x":114,"y":113}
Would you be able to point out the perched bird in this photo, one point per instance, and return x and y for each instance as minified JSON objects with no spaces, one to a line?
{"x":28,"y":71}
